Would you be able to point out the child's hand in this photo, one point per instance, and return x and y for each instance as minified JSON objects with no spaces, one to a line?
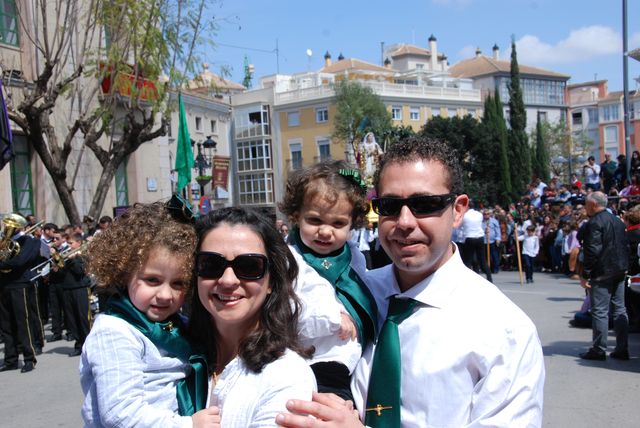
{"x":348,"y":328}
{"x":209,"y":417}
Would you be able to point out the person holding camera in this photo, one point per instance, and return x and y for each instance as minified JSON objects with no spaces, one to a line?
{"x":591,"y":173}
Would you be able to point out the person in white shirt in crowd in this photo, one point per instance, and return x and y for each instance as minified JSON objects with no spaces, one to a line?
{"x":487,"y":372}
{"x":364,"y":238}
{"x":530,"y":249}
{"x":591,"y":173}
{"x":473,"y":251}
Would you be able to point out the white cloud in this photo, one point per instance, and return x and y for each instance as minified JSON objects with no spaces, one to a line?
{"x":582,"y":44}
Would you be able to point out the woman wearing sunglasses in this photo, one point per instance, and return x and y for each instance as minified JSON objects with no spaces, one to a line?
{"x":245,"y":313}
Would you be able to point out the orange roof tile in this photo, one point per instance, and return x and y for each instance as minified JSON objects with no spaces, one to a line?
{"x":410,"y":50}
{"x":483,"y":65}
{"x":353,"y":64}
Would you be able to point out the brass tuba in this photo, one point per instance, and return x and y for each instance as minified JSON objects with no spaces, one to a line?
{"x":8,"y":247}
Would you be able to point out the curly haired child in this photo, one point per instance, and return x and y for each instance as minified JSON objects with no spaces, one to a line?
{"x":136,"y":367}
{"x":325,"y":202}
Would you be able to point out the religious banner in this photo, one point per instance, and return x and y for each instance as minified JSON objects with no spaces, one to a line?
{"x":220,"y":178}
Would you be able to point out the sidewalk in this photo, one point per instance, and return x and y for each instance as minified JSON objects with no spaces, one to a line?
{"x":578,"y":393}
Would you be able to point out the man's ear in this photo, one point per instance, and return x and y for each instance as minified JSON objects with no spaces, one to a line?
{"x":460,"y":206}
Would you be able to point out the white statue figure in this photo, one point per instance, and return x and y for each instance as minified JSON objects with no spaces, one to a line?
{"x":371,"y":152}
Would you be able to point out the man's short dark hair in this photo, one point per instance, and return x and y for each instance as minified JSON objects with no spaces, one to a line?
{"x":591,"y":158}
{"x":426,"y":149}
{"x":50,"y":226}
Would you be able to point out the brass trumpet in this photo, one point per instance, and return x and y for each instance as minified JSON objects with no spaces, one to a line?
{"x":58,"y":259}
{"x":33,"y":228}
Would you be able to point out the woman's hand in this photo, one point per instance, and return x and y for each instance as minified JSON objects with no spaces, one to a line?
{"x":348,"y":328}
{"x":209,"y":417}
{"x":329,"y":410}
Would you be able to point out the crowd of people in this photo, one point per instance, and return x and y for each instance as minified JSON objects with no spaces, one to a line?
{"x":233,"y":320}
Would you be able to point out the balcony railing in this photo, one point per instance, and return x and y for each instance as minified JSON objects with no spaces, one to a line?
{"x":254,"y":130}
{"x":317,"y":159}
{"x":385,"y":89}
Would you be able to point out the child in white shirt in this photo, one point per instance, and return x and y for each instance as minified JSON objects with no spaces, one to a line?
{"x":136,"y":367}
{"x":325,"y":202}
{"x":530,"y":248}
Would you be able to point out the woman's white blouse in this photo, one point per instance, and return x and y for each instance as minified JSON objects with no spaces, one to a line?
{"x":250,"y":400}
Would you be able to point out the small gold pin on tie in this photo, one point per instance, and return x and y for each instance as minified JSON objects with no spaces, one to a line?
{"x":378,"y":409}
{"x":326,"y":264}
{"x":168,"y":327}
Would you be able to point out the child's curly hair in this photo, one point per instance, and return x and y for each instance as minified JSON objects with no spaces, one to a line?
{"x":324,"y":180}
{"x":118,"y":252}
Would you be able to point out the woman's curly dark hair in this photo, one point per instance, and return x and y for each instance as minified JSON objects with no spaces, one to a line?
{"x":278,"y":325}
{"x":118,"y":252}
{"x":323,"y":179}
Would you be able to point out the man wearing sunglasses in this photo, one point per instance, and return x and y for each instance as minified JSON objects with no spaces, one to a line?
{"x":464,"y":353}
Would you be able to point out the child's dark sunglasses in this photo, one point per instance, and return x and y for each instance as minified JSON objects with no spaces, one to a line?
{"x":419,"y":205}
{"x":245,"y":266}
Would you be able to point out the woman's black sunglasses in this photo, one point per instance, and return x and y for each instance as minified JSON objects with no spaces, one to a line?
{"x":419,"y":205}
{"x":245,"y":266}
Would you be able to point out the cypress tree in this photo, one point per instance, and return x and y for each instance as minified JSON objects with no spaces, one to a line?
{"x":502,"y":137}
{"x":541,"y":153}
{"x":519,"y":152}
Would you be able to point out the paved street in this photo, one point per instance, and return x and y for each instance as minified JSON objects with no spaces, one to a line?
{"x":50,"y":395}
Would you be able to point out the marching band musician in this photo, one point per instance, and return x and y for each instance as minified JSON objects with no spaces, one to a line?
{"x":56,"y":302}
{"x":15,"y":287}
{"x":74,"y":285}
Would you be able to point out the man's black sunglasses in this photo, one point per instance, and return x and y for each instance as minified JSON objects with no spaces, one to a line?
{"x":419,"y":205}
{"x":245,"y":266}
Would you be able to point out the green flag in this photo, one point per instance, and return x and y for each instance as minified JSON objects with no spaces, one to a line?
{"x":184,"y":154}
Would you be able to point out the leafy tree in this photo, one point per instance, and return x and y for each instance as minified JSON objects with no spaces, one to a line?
{"x":463,"y":134}
{"x":519,"y":152}
{"x":358,"y":111}
{"x":562,"y":145}
{"x":396,"y":133}
{"x":541,"y":163}
{"x":97,"y":84}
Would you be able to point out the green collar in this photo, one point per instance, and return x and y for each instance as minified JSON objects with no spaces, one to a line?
{"x":350,"y":289}
{"x":191,"y":392}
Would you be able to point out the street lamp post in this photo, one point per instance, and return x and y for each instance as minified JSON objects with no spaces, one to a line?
{"x":203,"y":159}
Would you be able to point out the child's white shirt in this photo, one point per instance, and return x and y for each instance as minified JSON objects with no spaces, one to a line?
{"x":127,"y":380}
{"x":319,"y":321}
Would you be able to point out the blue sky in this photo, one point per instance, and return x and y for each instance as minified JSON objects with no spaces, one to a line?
{"x":581,"y":38}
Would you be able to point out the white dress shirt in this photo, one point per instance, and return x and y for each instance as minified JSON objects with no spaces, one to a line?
{"x":319,"y":321}
{"x":530,"y":245}
{"x":250,"y":400}
{"x":471,"y":357}
{"x":127,"y":380}
{"x":472,"y":224}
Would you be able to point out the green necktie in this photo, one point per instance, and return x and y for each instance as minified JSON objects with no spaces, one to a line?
{"x":383,"y":396}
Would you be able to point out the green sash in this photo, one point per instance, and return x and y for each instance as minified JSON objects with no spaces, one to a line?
{"x":191,"y":392}
{"x":350,"y":289}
